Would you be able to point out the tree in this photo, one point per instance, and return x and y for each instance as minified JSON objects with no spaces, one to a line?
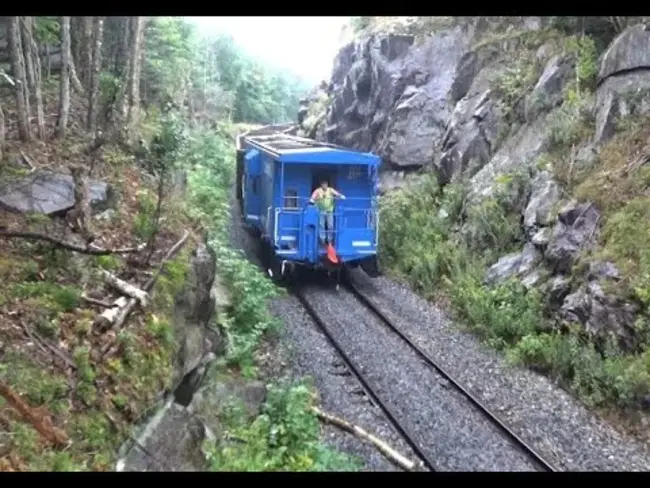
{"x":93,"y":82}
{"x":64,"y":92}
{"x":33,"y":68}
{"x":20,"y":78}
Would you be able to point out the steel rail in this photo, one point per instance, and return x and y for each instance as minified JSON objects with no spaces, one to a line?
{"x":390,"y":414}
{"x":527,"y":449}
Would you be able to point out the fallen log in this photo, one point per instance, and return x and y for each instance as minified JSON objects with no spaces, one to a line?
{"x":92,"y":250}
{"x":108,"y":316}
{"x":357,"y":431}
{"x":94,"y":301}
{"x":127,"y":289}
{"x":121,"y":313}
{"x":39,"y":420}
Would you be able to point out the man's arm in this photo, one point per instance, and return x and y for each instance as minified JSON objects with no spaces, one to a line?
{"x":337,"y":194}
{"x":314,"y":196}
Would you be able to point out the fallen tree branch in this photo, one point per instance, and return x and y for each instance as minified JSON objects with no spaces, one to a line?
{"x":384,"y":448}
{"x":92,"y":250}
{"x":108,"y":316}
{"x":41,"y":422}
{"x":119,"y":314}
{"x":94,"y":301}
{"x":127,"y":289}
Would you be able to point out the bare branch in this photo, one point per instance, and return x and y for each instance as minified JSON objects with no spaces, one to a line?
{"x":92,"y":250}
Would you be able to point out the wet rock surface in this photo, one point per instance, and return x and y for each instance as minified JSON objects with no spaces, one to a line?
{"x":49,"y":193}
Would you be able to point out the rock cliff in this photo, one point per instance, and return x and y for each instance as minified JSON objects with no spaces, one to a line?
{"x":477,"y":106}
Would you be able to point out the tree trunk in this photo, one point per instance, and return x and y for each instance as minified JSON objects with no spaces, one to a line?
{"x":18,"y":69}
{"x":64,"y":97}
{"x":137,"y":37}
{"x":33,"y":65}
{"x":120,"y":111}
{"x":86,"y":58}
{"x":2,"y":133}
{"x":93,"y":97}
{"x":48,"y":61}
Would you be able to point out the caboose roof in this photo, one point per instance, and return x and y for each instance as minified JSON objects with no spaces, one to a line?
{"x":293,"y":149}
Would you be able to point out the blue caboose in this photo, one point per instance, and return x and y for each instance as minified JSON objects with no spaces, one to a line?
{"x":277,"y":174}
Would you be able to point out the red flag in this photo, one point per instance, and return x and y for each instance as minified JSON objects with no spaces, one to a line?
{"x":331,"y":254}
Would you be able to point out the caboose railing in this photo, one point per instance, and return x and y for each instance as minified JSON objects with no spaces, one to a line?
{"x":345,"y":215}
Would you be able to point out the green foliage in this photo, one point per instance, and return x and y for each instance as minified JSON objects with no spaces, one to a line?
{"x":47,"y":30}
{"x":58,"y":297}
{"x":260,"y":94}
{"x":441,"y":249}
{"x":143,"y":222}
{"x":169,"y":56}
{"x":360,"y":23}
{"x":283,"y":438}
{"x":512,"y":84}
{"x":109,"y":263}
{"x":583,"y":49}
{"x":572,"y":123}
{"x":211,"y":158}
{"x":624,"y":234}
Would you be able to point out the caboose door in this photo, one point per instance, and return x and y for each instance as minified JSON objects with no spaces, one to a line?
{"x":253,"y":186}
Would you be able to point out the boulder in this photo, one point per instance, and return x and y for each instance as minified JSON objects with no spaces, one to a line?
{"x":602,"y":316}
{"x":573,"y":232}
{"x":49,"y":193}
{"x":515,"y":264}
{"x":194,"y":309}
{"x":542,"y":237}
{"x":624,"y":80}
{"x":391,"y":96}
{"x":544,"y":197}
{"x":549,"y":90}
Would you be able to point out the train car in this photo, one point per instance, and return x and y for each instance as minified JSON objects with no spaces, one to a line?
{"x":276,"y":175}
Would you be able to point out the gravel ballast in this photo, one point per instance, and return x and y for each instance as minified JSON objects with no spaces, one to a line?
{"x":550,"y":419}
{"x":451,"y":432}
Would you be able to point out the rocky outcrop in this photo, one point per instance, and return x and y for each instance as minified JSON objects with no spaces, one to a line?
{"x":172,"y":440}
{"x":574,"y":231}
{"x":392,"y":96}
{"x":623,"y":80}
{"x":49,"y":193}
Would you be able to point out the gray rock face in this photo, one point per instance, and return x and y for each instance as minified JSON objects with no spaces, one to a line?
{"x":519,"y":153}
{"x":49,"y":193}
{"x":557,"y":289}
{"x":472,"y":134}
{"x":624,"y":80}
{"x":545,"y":195}
{"x":516,"y":264}
{"x":173,"y":439}
{"x":600,"y":315}
{"x":574,"y":231}
{"x":548,"y":91}
{"x":542,"y":237}
{"x":193,"y":311}
{"x":392,"y":97}
{"x":629,"y":51}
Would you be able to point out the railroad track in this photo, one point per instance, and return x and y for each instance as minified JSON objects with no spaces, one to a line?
{"x":525,"y":449}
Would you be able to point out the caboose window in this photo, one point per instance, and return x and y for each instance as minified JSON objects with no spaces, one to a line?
{"x":354,"y":172}
{"x":256,"y":184}
{"x":291,"y":199}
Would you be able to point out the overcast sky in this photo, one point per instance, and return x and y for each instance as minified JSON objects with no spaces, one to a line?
{"x":305,"y":45}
